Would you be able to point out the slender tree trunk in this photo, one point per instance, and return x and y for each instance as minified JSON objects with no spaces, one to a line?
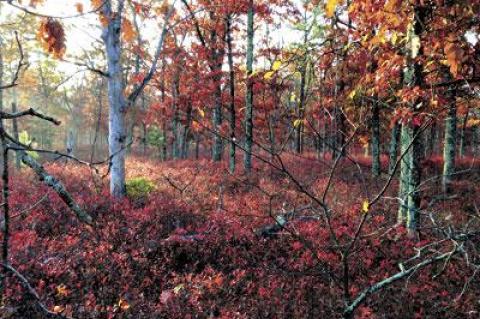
{"x":232,"y":96}
{"x":117,"y":105}
{"x":301,"y":105}
{"x":98,"y":122}
{"x":462,"y":135}
{"x":197,"y":146}
{"x":145,"y":137}
{"x":411,"y":170}
{"x":5,"y":191}
{"x":393,"y":150}
{"x":175,"y":140}
{"x":431,"y":142}
{"x":249,"y":93}
{"x":414,"y":181}
{"x":450,"y":144}
{"x":18,"y":163}
{"x":163,"y":147}
{"x":186,"y":133}
{"x":375,"y":140}
{"x":404,"y":174}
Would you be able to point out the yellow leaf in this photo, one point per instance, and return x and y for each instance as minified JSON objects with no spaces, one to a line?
{"x":330,"y":8}
{"x":269,"y":75}
{"x":276,"y":65}
{"x":293,"y":97}
{"x":394,"y":38}
{"x":297,"y":122}
{"x":177,"y":289}
{"x":352,"y":94}
{"x":365,"y":206}
{"x":201,"y":112}
{"x":62,"y":290}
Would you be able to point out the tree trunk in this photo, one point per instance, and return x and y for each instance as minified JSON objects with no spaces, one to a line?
{"x":395,"y":136}
{"x":232,"y":96}
{"x":411,"y":169}
{"x":404,"y":174}
{"x":249,"y":93}
{"x":375,"y":140}
{"x":15,"y":135}
{"x":449,"y":147}
{"x":462,"y":135}
{"x":117,"y":105}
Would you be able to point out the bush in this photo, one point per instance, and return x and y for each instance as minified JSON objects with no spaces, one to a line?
{"x":138,"y":189}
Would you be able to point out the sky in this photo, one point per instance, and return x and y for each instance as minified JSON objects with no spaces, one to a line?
{"x":82,"y":31}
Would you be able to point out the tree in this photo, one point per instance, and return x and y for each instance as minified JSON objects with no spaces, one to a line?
{"x":249,"y":92}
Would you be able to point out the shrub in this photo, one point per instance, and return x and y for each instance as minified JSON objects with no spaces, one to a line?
{"x":138,"y":189}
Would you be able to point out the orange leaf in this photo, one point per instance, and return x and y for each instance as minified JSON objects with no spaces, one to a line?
{"x":79,"y":7}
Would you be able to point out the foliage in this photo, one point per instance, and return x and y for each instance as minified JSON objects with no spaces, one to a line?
{"x":177,"y":257}
{"x":139,"y":188}
{"x":25,"y":139}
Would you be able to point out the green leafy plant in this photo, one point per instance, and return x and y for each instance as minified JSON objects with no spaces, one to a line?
{"x":25,"y":139}
{"x":139,"y":188}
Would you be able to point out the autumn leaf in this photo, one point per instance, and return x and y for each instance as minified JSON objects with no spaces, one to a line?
{"x":201,"y":112}
{"x":297,"y":122}
{"x":276,"y":65}
{"x":58,"y":309}
{"x":97,"y":3}
{"x":62,"y":290}
{"x":129,"y":33}
{"x":365,"y":206}
{"x":269,"y":75}
{"x":330,"y":8}
{"x":352,"y":94}
{"x":177,"y":289}
{"x":79,"y":7}
{"x":123,"y":304}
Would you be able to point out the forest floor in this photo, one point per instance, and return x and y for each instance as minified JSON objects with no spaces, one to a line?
{"x":194,"y":247}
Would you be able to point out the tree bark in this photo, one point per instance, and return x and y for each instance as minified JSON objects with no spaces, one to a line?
{"x":249,"y":93}
{"x":410,"y":166}
{"x":56,"y":185}
{"x":393,"y":149}
{"x":450,"y":141}
{"x":232,"y":96}
{"x":404,"y":174}
{"x":462,"y":135}
{"x":376,"y":140}
{"x":15,"y":135}
{"x":117,"y":105}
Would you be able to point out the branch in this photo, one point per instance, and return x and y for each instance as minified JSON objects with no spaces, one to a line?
{"x":56,"y":185}
{"x":30,"y":112}
{"x":42,"y":15}
{"x":390,"y":280}
{"x":31,"y":291}
{"x":20,"y":65}
{"x":138,"y":90}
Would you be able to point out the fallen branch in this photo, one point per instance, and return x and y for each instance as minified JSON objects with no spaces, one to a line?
{"x":31,"y":291}
{"x":349,"y":309}
{"x":56,"y":185}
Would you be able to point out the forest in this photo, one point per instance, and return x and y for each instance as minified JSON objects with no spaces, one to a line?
{"x":239,"y":159}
